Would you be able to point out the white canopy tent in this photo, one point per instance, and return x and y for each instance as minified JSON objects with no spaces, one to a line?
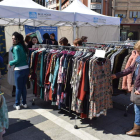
{"x":14,"y":14}
{"x":97,"y":27}
{"x":28,"y":12}
{"x":83,"y":15}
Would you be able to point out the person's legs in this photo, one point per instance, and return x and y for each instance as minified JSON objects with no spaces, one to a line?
{"x":13,"y":91}
{"x":24,"y":91}
{"x":1,"y":136}
{"x":19,"y":85}
{"x":137,"y":114}
{"x":136,"y":129}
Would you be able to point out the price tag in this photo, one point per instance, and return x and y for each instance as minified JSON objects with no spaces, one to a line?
{"x":100,"y":53}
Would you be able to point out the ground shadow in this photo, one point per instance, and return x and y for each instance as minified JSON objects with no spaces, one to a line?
{"x":114,"y":123}
{"x":24,"y":130}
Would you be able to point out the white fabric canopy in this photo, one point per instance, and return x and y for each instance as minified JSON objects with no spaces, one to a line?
{"x":28,"y":12}
{"x":85,"y":17}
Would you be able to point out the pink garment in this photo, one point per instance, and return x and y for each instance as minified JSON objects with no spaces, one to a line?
{"x":64,"y":52}
{"x":127,"y":80}
{"x":60,"y":72}
{"x":72,"y":52}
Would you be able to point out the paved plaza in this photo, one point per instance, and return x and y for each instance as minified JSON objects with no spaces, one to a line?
{"x":45,"y":122}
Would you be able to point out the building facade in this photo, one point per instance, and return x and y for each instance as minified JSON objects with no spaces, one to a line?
{"x":99,"y":6}
{"x":41,"y":2}
{"x":129,"y":13}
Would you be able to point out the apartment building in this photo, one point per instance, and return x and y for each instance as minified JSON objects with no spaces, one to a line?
{"x":129,"y":13}
{"x":99,"y":6}
{"x":41,"y":2}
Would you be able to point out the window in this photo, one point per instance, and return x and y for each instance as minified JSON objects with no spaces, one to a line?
{"x":97,"y":10}
{"x":120,"y":15}
{"x":96,"y":1}
{"x":139,"y":14}
{"x":133,"y":14}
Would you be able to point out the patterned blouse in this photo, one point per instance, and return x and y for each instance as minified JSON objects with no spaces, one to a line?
{"x":4,"y":121}
{"x":100,"y":88}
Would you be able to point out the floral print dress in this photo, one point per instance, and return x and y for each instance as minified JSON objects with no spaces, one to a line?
{"x":100,"y":88}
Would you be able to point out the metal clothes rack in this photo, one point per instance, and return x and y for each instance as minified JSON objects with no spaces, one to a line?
{"x":75,"y":48}
{"x":63,"y":48}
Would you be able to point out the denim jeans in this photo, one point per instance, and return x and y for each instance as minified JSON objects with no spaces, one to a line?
{"x":137,"y":114}
{"x":21,"y":77}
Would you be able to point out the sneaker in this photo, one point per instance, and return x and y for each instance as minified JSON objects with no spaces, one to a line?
{"x":17,"y":107}
{"x":25,"y":106}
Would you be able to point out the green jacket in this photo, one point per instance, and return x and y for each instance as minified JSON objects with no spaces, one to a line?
{"x":19,"y":55}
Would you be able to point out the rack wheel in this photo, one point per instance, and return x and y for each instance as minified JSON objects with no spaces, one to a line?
{"x":125,"y":114}
{"x":75,"y":126}
{"x":95,"y":118}
{"x":33,"y":103}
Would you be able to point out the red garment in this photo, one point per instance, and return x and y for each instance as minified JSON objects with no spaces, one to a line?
{"x":47,"y":82}
{"x":83,"y":115}
{"x":81,"y":92}
{"x":48,"y":71}
{"x":35,"y":80}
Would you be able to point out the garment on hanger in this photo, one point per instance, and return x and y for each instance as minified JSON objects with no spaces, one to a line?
{"x":100,"y":88}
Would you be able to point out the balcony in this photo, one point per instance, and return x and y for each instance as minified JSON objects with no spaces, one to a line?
{"x":122,"y":1}
{"x":93,"y":1}
{"x":51,"y":2}
{"x":135,"y":1}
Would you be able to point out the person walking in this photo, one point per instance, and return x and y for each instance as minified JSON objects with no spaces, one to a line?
{"x":135,"y":94}
{"x":21,"y":69}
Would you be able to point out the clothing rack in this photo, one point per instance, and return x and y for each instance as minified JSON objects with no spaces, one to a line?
{"x":111,"y":43}
{"x":63,"y":48}
{"x":74,"y":48}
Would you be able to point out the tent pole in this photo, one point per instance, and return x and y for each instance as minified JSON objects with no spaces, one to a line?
{"x":74,"y":31}
{"x":19,"y":26}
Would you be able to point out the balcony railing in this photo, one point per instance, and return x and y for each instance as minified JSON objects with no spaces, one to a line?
{"x":99,"y":1}
{"x":51,"y":2}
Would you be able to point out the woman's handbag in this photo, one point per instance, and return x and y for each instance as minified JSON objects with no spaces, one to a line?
{"x":5,"y":58}
{"x":135,"y":98}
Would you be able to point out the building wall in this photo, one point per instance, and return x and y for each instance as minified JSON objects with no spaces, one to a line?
{"x":129,"y":9}
{"x":129,"y":12}
{"x":101,"y":6}
{"x":41,"y":2}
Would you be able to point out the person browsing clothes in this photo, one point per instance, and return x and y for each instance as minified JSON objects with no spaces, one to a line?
{"x":135,"y":94}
